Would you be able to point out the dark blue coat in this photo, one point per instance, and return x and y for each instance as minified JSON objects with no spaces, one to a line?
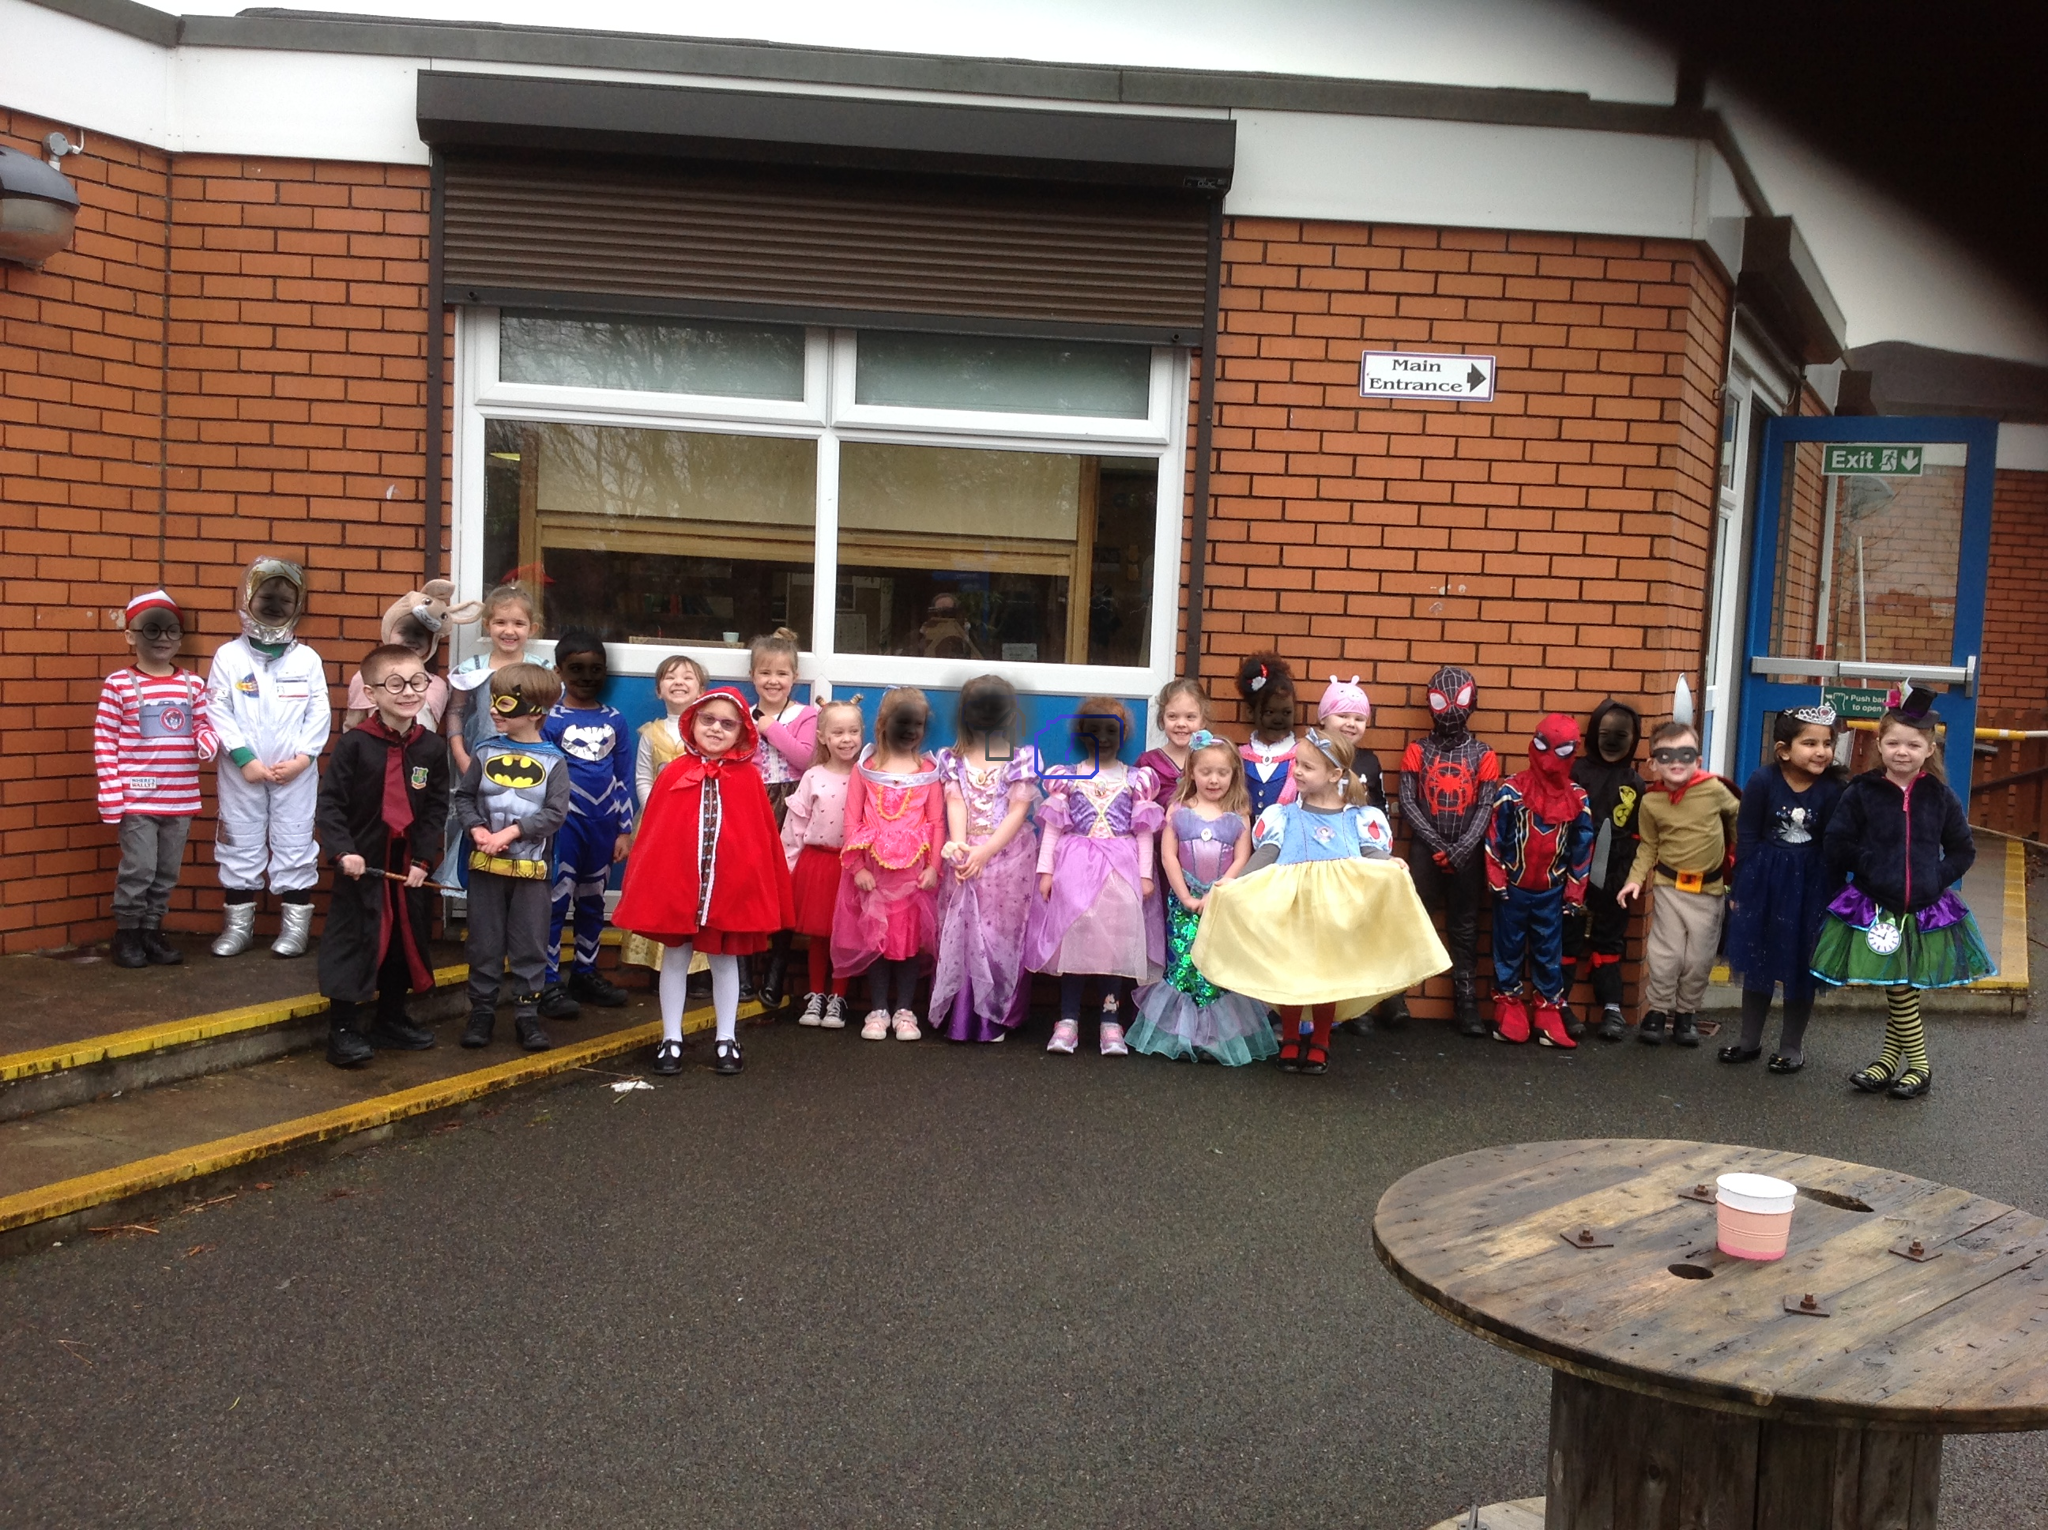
{"x":1904,"y":859}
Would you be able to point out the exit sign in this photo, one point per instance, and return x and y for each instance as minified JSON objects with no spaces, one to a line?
{"x":1884,"y":461}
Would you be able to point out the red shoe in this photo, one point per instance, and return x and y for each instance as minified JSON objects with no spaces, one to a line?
{"x":1510,"y":1018}
{"x":1550,"y":1031}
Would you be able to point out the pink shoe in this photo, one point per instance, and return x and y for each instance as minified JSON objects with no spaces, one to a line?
{"x":1112,"y":1040}
{"x":876,"y":1026}
{"x":906,"y":1026}
{"x":1066,"y":1036}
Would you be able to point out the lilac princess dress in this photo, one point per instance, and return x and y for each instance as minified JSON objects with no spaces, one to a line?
{"x":1097,"y":843}
{"x":1184,"y":1015}
{"x":979,"y":991}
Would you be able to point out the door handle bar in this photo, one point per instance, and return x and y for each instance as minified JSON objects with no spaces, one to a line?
{"x":1962,"y":675}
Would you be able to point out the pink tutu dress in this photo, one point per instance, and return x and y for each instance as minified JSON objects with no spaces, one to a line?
{"x":895,"y":828}
{"x":979,"y":990}
{"x":1096,"y":838}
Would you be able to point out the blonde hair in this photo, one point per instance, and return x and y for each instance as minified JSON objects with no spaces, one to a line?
{"x":676,"y":661}
{"x":781,"y":641}
{"x":511,"y":595}
{"x":1339,"y":752}
{"x":1922,"y":725}
{"x":821,"y":752}
{"x":1237,"y":798}
{"x":1173,"y":690}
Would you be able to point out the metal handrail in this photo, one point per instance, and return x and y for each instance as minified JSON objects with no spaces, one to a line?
{"x":1952,"y":675}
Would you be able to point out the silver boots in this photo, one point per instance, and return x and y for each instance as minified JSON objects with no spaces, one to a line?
{"x":238,"y":928}
{"x":294,"y":930}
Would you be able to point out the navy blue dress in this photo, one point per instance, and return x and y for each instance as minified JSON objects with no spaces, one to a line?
{"x":1782,"y":884}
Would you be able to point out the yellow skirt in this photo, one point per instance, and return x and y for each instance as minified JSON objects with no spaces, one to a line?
{"x":642,"y":952}
{"x":1349,"y":933}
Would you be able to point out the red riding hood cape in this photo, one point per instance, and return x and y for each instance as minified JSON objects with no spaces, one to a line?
{"x":749,"y":874}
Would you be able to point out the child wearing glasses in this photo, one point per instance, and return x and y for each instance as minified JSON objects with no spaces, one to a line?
{"x":382,"y":811}
{"x":1687,"y":823}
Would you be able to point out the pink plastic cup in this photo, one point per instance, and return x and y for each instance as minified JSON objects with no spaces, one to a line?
{"x":1753,"y":1215}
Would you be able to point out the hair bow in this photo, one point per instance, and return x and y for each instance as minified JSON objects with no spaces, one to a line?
{"x":1202,"y":738}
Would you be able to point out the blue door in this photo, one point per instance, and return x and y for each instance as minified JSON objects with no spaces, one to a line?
{"x":1873,"y":537}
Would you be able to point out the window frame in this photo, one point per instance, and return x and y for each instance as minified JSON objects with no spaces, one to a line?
{"x":827,"y":416}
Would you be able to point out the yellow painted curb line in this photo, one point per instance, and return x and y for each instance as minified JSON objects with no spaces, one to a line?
{"x":69,"y":1196}
{"x":173,"y":1033}
{"x":2012,"y":956}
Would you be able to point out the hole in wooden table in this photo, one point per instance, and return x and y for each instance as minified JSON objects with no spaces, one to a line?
{"x":1692,"y":1272}
{"x":1830,"y":1198}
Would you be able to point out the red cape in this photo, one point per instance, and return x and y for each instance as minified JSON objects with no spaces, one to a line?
{"x":750,"y":891}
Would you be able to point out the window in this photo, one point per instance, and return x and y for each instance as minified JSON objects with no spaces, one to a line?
{"x":907,"y":503}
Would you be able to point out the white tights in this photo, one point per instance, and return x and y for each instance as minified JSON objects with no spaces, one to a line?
{"x":675,"y":988}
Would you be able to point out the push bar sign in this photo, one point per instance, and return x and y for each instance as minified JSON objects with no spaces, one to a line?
{"x":1410,"y":374}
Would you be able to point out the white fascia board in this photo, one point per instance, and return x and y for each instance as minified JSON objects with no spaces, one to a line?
{"x":1479,"y":175}
{"x":1521,"y":44}
{"x":2023,"y":448}
{"x":338,"y":106}
{"x":84,"y":76}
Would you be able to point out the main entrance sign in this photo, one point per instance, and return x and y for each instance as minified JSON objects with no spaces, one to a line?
{"x":1411,"y":374}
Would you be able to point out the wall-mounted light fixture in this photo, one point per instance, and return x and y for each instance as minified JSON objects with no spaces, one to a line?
{"x":38,"y":209}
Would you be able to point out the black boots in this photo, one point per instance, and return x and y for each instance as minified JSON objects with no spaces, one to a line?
{"x":774,"y":977}
{"x":595,"y":988}
{"x":483,"y":1020}
{"x":526,"y":1022}
{"x":1613,"y":1025}
{"x":161,"y":952}
{"x":1651,"y":1032}
{"x":1465,"y":1006}
{"x":394,"y":1030}
{"x":555,"y":1003}
{"x":129,"y":950}
{"x":346,"y":1046}
{"x":1685,"y":1030}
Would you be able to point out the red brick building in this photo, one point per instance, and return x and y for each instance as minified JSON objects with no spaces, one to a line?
{"x":232,"y":356}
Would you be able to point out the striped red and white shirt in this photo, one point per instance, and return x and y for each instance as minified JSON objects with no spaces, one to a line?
{"x":147,"y":741}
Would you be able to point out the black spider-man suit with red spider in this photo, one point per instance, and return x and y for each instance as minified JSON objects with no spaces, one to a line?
{"x":1448,"y":781}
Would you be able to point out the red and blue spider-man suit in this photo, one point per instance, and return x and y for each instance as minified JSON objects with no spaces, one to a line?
{"x":1539,"y":851}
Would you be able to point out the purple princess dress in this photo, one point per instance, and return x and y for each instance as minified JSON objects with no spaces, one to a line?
{"x":1184,"y":1015}
{"x":1097,"y":843}
{"x":979,"y":991}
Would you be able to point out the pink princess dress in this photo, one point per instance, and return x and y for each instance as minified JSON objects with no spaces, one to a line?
{"x":1096,"y":839}
{"x":979,"y":991}
{"x":895,"y":828}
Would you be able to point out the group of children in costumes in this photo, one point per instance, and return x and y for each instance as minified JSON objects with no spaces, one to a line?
{"x":1180,"y":900}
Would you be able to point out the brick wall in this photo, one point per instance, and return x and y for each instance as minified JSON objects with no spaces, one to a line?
{"x":2014,"y":691}
{"x":230,"y":360}
{"x":1554,"y":542}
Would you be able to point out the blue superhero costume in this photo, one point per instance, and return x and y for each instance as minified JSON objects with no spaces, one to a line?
{"x":597,"y":746}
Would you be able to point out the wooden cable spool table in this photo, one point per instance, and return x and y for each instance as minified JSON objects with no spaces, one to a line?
{"x":1695,"y":1391}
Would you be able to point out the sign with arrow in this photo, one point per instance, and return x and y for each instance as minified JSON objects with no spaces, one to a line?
{"x":1412,"y":374}
{"x":1881,"y":460}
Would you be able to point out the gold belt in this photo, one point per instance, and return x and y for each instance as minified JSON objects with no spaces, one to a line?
{"x":508,"y":866}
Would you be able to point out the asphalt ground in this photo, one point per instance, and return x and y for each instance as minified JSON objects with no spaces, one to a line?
{"x":877,"y":1284}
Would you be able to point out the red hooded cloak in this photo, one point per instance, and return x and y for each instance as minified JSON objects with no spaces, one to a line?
{"x":750,"y":893}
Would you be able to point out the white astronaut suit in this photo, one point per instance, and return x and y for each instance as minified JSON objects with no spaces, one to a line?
{"x":268,"y":706}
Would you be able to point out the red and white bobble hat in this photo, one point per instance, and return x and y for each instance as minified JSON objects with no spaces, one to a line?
{"x":151,"y":600}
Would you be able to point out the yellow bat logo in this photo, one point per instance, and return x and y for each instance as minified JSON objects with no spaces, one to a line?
{"x":514,"y":770}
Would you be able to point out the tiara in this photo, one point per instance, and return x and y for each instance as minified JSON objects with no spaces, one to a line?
{"x":1820,"y":713}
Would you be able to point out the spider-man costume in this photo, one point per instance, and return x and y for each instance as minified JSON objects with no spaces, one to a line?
{"x":1539,"y":850}
{"x":1448,"y":779}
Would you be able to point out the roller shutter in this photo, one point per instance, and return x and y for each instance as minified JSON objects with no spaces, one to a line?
{"x":824,"y":247}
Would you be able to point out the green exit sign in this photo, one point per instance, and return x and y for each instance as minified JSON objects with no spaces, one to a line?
{"x":1884,"y":461}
